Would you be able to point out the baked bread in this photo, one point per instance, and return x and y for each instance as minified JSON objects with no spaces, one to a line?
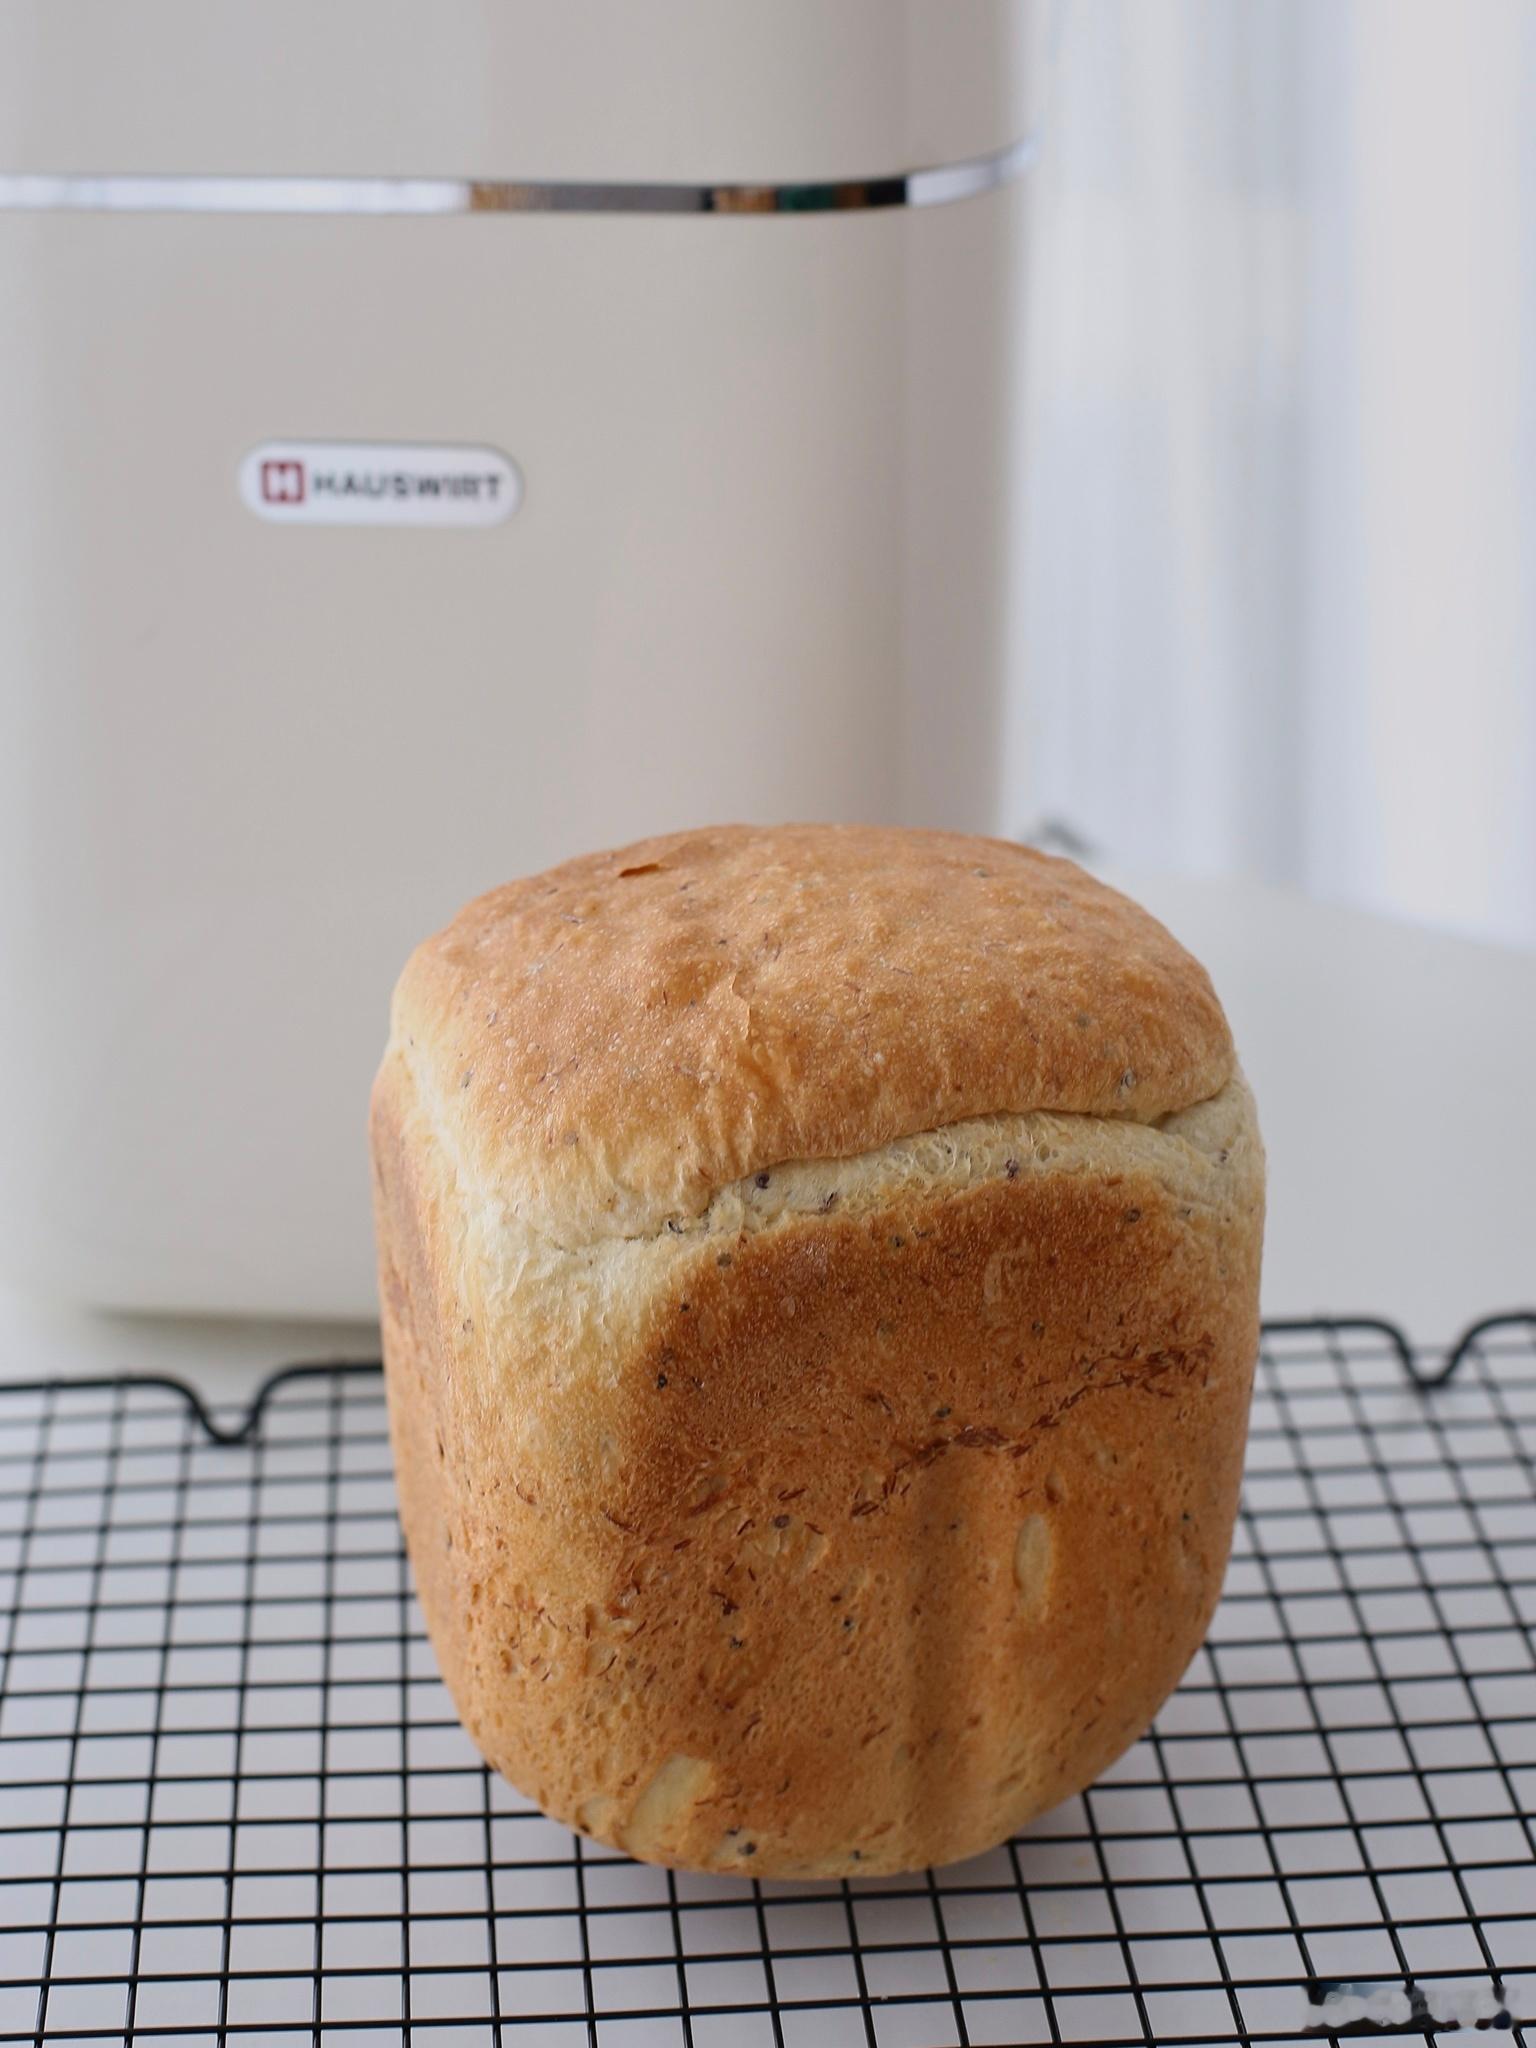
{"x":820,"y":1279}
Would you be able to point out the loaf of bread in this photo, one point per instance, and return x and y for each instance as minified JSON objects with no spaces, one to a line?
{"x":820,"y":1276}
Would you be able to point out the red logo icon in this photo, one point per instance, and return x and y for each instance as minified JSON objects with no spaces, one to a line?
{"x":282,"y":483}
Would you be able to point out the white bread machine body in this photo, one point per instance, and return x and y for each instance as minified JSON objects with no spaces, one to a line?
{"x":437,"y":444}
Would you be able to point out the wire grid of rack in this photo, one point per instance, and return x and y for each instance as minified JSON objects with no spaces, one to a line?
{"x":235,"y":1804}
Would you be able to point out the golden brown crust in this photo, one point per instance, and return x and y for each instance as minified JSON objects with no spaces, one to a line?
{"x":820,"y":1282}
{"x":618,"y":1039}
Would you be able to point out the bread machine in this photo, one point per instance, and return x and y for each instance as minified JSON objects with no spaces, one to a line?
{"x":435,"y":445}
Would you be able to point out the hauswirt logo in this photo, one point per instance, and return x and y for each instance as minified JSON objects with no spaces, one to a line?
{"x":282,"y":483}
{"x":379,"y":483}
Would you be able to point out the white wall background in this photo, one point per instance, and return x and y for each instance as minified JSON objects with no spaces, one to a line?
{"x":1281,"y":589}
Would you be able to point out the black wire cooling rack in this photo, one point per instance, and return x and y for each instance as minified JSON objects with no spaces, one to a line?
{"x":235,"y":1804}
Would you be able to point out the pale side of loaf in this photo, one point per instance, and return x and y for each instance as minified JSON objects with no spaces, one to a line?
{"x":820,"y":1278}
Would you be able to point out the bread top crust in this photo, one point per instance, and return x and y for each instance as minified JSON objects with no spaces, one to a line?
{"x":611,"y":1043}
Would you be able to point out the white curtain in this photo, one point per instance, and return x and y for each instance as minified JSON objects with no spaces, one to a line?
{"x":1280,"y":610}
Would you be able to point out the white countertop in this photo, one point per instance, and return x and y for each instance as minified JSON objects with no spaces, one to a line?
{"x":226,"y":1360}
{"x":1394,"y":1073}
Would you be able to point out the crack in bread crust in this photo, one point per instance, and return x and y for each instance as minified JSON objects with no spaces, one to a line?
{"x":1201,"y":1157}
{"x":628,"y":1034}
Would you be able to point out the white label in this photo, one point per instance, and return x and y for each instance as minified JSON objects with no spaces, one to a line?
{"x":378,"y":483}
